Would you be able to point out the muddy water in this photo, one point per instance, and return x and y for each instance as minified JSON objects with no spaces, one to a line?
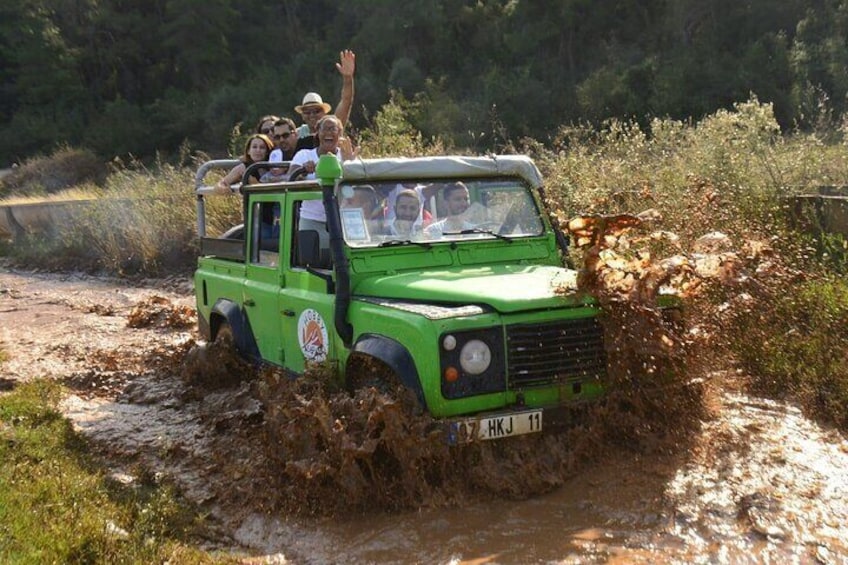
{"x":756,"y":482}
{"x":763,"y":484}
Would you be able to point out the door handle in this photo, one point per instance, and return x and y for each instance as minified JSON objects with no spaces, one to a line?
{"x":249,"y":302}
{"x":288,"y":312}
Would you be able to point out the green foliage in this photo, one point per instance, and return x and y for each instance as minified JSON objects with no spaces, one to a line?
{"x":143,"y":77}
{"x":393,"y":135}
{"x":731,"y":170}
{"x":797,"y":346}
{"x":57,"y":505}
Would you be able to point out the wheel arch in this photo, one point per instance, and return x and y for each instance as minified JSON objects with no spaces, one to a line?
{"x":228,"y":311}
{"x":395,"y":356}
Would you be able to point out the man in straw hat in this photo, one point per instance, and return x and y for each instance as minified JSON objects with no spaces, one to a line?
{"x":313,"y":107}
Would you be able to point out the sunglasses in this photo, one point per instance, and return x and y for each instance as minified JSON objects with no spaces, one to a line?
{"x":265,"y":131}
{"x":283,"y":135}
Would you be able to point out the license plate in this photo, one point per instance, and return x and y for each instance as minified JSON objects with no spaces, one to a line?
{"x":496,"y":427}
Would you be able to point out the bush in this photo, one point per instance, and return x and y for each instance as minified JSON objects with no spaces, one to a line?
{"x":795,"y":346}
{"x":141,"y":222}
{"x":65,"y":168}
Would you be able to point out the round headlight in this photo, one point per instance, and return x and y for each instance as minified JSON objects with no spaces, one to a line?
{"x":475,"y":357}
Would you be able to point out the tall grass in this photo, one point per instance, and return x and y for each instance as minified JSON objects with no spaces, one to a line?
{"x":140,"y":222}
{"x":731,"y":171}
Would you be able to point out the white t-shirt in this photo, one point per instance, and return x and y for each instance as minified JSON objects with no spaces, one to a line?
{"x":303,"y":131}
{"x":311,"y":209}
{"x":415,"y":229}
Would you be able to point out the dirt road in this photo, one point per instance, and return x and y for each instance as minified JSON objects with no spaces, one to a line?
{"x":759,"y":483}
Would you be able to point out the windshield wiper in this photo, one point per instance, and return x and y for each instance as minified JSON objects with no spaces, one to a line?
{"x":479,"y":230}
{"x":396,"y":242}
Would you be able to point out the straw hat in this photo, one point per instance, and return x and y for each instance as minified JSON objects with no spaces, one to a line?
{"x":313,"y":99}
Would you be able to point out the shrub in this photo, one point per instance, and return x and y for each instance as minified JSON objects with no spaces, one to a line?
{"x":141,"y":222}
{"x":794,"y":345}
{"x":65,"y":168}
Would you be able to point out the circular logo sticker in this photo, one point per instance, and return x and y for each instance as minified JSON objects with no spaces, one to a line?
{"x":312,"y":335}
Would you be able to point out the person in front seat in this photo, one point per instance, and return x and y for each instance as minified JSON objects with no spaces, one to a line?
{"x":406,"y":222}
{"x":457,"y":199}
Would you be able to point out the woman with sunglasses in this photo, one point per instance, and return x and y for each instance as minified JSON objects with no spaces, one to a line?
{"x":265,"y":125}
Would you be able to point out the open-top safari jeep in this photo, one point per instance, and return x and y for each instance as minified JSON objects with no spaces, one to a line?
{"x":476,"y":316}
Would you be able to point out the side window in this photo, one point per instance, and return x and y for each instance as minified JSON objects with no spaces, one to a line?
{"x":310,"y":247}
{"x":265,"y":234}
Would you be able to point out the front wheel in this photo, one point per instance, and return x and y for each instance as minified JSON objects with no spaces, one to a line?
{"x":365,"y":372}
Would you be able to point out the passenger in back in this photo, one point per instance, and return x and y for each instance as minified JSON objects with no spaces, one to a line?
{"x":256,"y":150}
{"x":313,"y":107}
{"x":265,"y":125}
{"x":285,"y":139}
{"x":312,"y":215}
{"x":275,"y":174}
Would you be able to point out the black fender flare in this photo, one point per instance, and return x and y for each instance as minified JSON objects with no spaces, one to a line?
{"x":228,"y":311}
{"x":396,"y":356}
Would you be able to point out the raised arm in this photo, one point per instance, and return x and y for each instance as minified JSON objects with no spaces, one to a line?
{"x":346,"y":67}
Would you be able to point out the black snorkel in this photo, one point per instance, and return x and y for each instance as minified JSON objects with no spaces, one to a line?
{"x":328,"y":171}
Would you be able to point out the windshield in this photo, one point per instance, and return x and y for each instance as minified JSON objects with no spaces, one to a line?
{"x":392,"y":213}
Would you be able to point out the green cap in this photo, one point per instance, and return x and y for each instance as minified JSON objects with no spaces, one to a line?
{"x":328,"y":169}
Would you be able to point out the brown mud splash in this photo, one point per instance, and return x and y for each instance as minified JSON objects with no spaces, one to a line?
{"x":303,"y":447}
{"x":656,"y":359}
{"x":158,"y":311}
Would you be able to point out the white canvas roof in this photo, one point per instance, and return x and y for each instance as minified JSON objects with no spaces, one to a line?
{"x":442,"y":167}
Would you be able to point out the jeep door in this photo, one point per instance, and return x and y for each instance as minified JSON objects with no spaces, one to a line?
{"x":308,"y":297}
{"x":262,"y":285}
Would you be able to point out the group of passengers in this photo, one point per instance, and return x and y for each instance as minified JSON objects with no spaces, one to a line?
{"x":279,"y":140}
{"x":404,"y":213}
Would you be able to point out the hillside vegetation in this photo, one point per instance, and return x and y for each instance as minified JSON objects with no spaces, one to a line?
{"x":141,"y":77}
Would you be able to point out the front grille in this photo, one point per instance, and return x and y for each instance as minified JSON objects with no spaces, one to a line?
{"x":558,"y":352}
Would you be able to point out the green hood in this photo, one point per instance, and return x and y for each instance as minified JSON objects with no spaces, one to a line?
{"x":506,"y":288}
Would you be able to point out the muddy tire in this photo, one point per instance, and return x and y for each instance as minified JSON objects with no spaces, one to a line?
{"x":365,"y":372}
{"x":224,"y":337}
{"x":217,"y":364}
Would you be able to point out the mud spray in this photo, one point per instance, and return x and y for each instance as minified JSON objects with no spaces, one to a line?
{"x":317,"y":450}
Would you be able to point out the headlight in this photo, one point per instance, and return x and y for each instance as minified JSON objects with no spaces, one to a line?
{"x":475,"y":357}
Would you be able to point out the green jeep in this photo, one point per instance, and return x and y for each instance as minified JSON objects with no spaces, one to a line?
{"x":465,"y":303}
